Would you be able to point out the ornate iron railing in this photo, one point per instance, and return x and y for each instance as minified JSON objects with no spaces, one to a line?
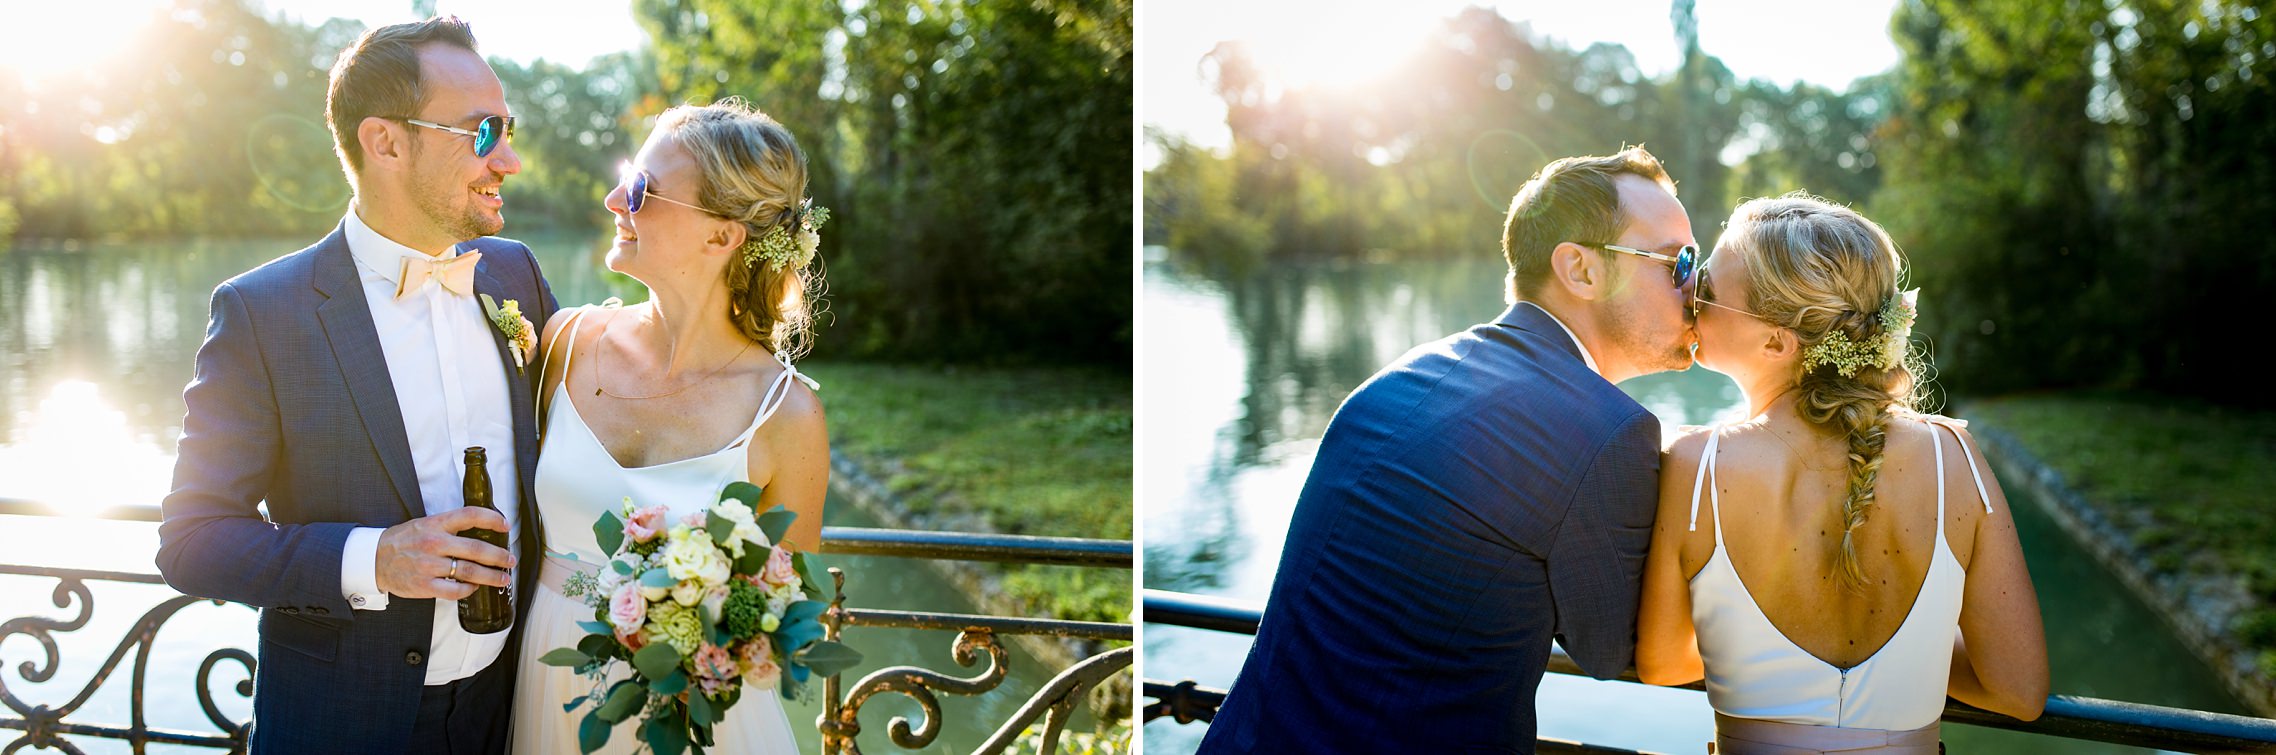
{"x":48,"y":726}
{"x":2066,"y":715}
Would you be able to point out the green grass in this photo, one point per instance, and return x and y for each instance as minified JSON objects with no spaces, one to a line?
{"x":2191,"y":481}
{"x":1025,"y":451}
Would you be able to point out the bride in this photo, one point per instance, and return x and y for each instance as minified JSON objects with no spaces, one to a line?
{"x":667,"y":401}
{"x":1837,"y":564}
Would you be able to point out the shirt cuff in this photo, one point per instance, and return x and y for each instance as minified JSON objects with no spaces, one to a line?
{"x":359,"y":570}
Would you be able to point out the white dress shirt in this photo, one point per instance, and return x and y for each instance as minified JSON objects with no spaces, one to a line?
{"x":451,"y":387}
{"x":1585,"y":357}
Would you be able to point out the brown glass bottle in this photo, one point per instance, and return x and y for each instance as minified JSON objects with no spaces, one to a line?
{"x":489,"y":609}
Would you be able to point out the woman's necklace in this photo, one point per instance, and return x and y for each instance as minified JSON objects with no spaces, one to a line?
{"x":601,"y":348}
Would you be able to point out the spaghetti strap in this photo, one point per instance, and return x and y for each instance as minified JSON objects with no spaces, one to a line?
{"x":576,"y":320}
{"x":777,"y":392}
{"x":1938,"y":444}
{"x":1967,"y":456}
{"x":1706,"y":478}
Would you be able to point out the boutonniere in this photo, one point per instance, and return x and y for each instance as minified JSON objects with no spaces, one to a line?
{"x":510,"y":323}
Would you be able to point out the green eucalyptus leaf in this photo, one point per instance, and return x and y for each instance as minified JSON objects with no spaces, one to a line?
{"x":595,"y":627}
{"x":720,"y":528}
{"x":624,"y":699}
{"x":658,"y":577}
{"x":592,"y":732}
{"x":667,"y":734}
{"x":567,"y":657}
{"x":775,"y":523}
{"x":807,"y":583}
{"x":699,"y":714}
{"x":621,"y":567}
{"x":670,"y":684}
{"x":829,"y":658}
{"x":742,"y":491}
{"x":803,"y":610}
{"x":657,"y":660}
{"x":609,"y":532}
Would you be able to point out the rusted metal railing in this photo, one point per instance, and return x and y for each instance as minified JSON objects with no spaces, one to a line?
{"x":52,"y":727}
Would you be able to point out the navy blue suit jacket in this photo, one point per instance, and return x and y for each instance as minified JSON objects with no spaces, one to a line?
{"x":292,"y":404}
{"x":1475,"y":498}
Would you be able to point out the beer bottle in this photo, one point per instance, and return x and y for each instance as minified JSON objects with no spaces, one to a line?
{"x":489,"y":609}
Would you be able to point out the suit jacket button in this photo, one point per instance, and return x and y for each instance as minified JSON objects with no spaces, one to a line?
{"x":414,"y":658}
{"x":321,"y":611}
{"x":290,"y":609}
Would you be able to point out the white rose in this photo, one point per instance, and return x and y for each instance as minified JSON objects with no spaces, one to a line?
{"x":687,"y":593}
{"x":691,"y":557}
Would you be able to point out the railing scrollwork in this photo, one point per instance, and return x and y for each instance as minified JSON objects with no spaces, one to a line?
{"x":50,"y":727}
{"x":46,"y":727}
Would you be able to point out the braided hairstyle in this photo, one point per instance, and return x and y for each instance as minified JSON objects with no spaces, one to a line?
{"x":1819,"y":268}
{"x":753,"y":172}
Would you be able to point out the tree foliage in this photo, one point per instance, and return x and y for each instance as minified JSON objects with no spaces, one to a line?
{"x":976,"y":153}
{"x":2082,"y":187}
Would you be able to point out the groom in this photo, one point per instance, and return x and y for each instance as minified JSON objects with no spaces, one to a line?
{"x":339,"y":384}
{"x":1482,"y":494}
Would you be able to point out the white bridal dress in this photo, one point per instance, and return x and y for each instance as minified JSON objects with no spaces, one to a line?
{"x":577,"y":480}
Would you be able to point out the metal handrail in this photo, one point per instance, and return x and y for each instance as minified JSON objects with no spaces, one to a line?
{"x":2071,"y":716}
{"x":840,"y":541}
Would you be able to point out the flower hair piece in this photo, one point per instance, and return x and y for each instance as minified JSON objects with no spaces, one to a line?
{"x":1884,"y":350}
{"x":780,"y":247}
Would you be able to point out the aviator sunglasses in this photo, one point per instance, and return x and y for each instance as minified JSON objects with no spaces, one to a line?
{"x":636,"y":193}
{"x":491,"y":132}
{"x":1684,"y":261}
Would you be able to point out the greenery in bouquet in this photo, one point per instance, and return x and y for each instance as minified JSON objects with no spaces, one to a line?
{"x":699,"y":608}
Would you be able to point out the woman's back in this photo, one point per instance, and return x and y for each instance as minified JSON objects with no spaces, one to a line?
{"x":1781,"y":638}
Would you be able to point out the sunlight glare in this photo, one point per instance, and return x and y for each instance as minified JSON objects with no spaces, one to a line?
{"x":1335,"y":47}
{"x":44,"y":39}
{"x":79,"y":456}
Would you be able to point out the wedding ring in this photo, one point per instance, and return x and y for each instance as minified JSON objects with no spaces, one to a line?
{"x":453,"y":570}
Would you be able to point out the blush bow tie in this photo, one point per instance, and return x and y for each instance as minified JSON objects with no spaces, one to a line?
{"x":456,"y":274}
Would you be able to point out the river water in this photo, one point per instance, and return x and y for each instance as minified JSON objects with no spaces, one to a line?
{"x":1242,"y":374}
{"x":96,"y":342}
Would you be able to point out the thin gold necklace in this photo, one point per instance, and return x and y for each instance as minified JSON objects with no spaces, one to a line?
{"x":601,"y":348}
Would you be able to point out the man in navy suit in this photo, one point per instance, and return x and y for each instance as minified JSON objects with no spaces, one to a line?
{"x":340,"y":384}
{"x":1483,"y":494}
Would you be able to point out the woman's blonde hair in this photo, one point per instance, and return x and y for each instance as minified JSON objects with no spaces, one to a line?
{"x":1819,"y":268}
{"x":752,"y":172}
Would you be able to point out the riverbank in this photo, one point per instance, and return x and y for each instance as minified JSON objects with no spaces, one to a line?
{"x":2173,"y":497}
{"x":1021,"y":451}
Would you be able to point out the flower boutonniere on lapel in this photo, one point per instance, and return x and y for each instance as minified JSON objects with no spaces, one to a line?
{"x":510,"y":323}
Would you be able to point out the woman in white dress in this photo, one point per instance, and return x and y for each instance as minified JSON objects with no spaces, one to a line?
{"x":667,"y":401}
{"x":1855,"y":562}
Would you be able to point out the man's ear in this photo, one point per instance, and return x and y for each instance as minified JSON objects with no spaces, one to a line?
{"x":382,"y":141}
{"x":1580,"y":273}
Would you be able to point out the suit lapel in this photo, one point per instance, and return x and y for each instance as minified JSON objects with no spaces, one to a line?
{"x":525,"y":414}
{"x":346,"y":318}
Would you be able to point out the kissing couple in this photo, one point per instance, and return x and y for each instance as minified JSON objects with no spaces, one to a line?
{"x":1834,"y":565}
{"x":346,"y":386}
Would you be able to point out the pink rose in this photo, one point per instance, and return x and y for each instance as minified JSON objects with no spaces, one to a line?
{"x":645,"y":523}
{"x":627,"y":609}
{"x":779,"y":571}
{"x":694,"y":520}
{"x":713,"y":667}
{"x":759,"y":668}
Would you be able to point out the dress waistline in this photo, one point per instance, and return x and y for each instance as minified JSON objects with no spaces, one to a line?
{"x":1754,"y":736}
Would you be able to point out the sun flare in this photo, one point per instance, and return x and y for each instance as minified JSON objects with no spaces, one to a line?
{"x":45,"y":39}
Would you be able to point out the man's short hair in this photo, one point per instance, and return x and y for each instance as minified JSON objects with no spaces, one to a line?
{"x":379,"y":76}
{"x":1571,"y":199}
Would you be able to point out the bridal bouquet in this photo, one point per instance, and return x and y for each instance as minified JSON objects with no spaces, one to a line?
{"x":699,"y":607}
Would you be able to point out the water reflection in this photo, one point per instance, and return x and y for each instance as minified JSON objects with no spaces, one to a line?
{"x":78,"y":454}
{"x":1243,"y":374}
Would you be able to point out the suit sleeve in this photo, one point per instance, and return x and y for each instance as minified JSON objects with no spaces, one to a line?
{"x":213,"y":541}
{"x":1596,"y":565}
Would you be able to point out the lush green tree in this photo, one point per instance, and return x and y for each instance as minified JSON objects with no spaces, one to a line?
{"x":976,"y":154}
